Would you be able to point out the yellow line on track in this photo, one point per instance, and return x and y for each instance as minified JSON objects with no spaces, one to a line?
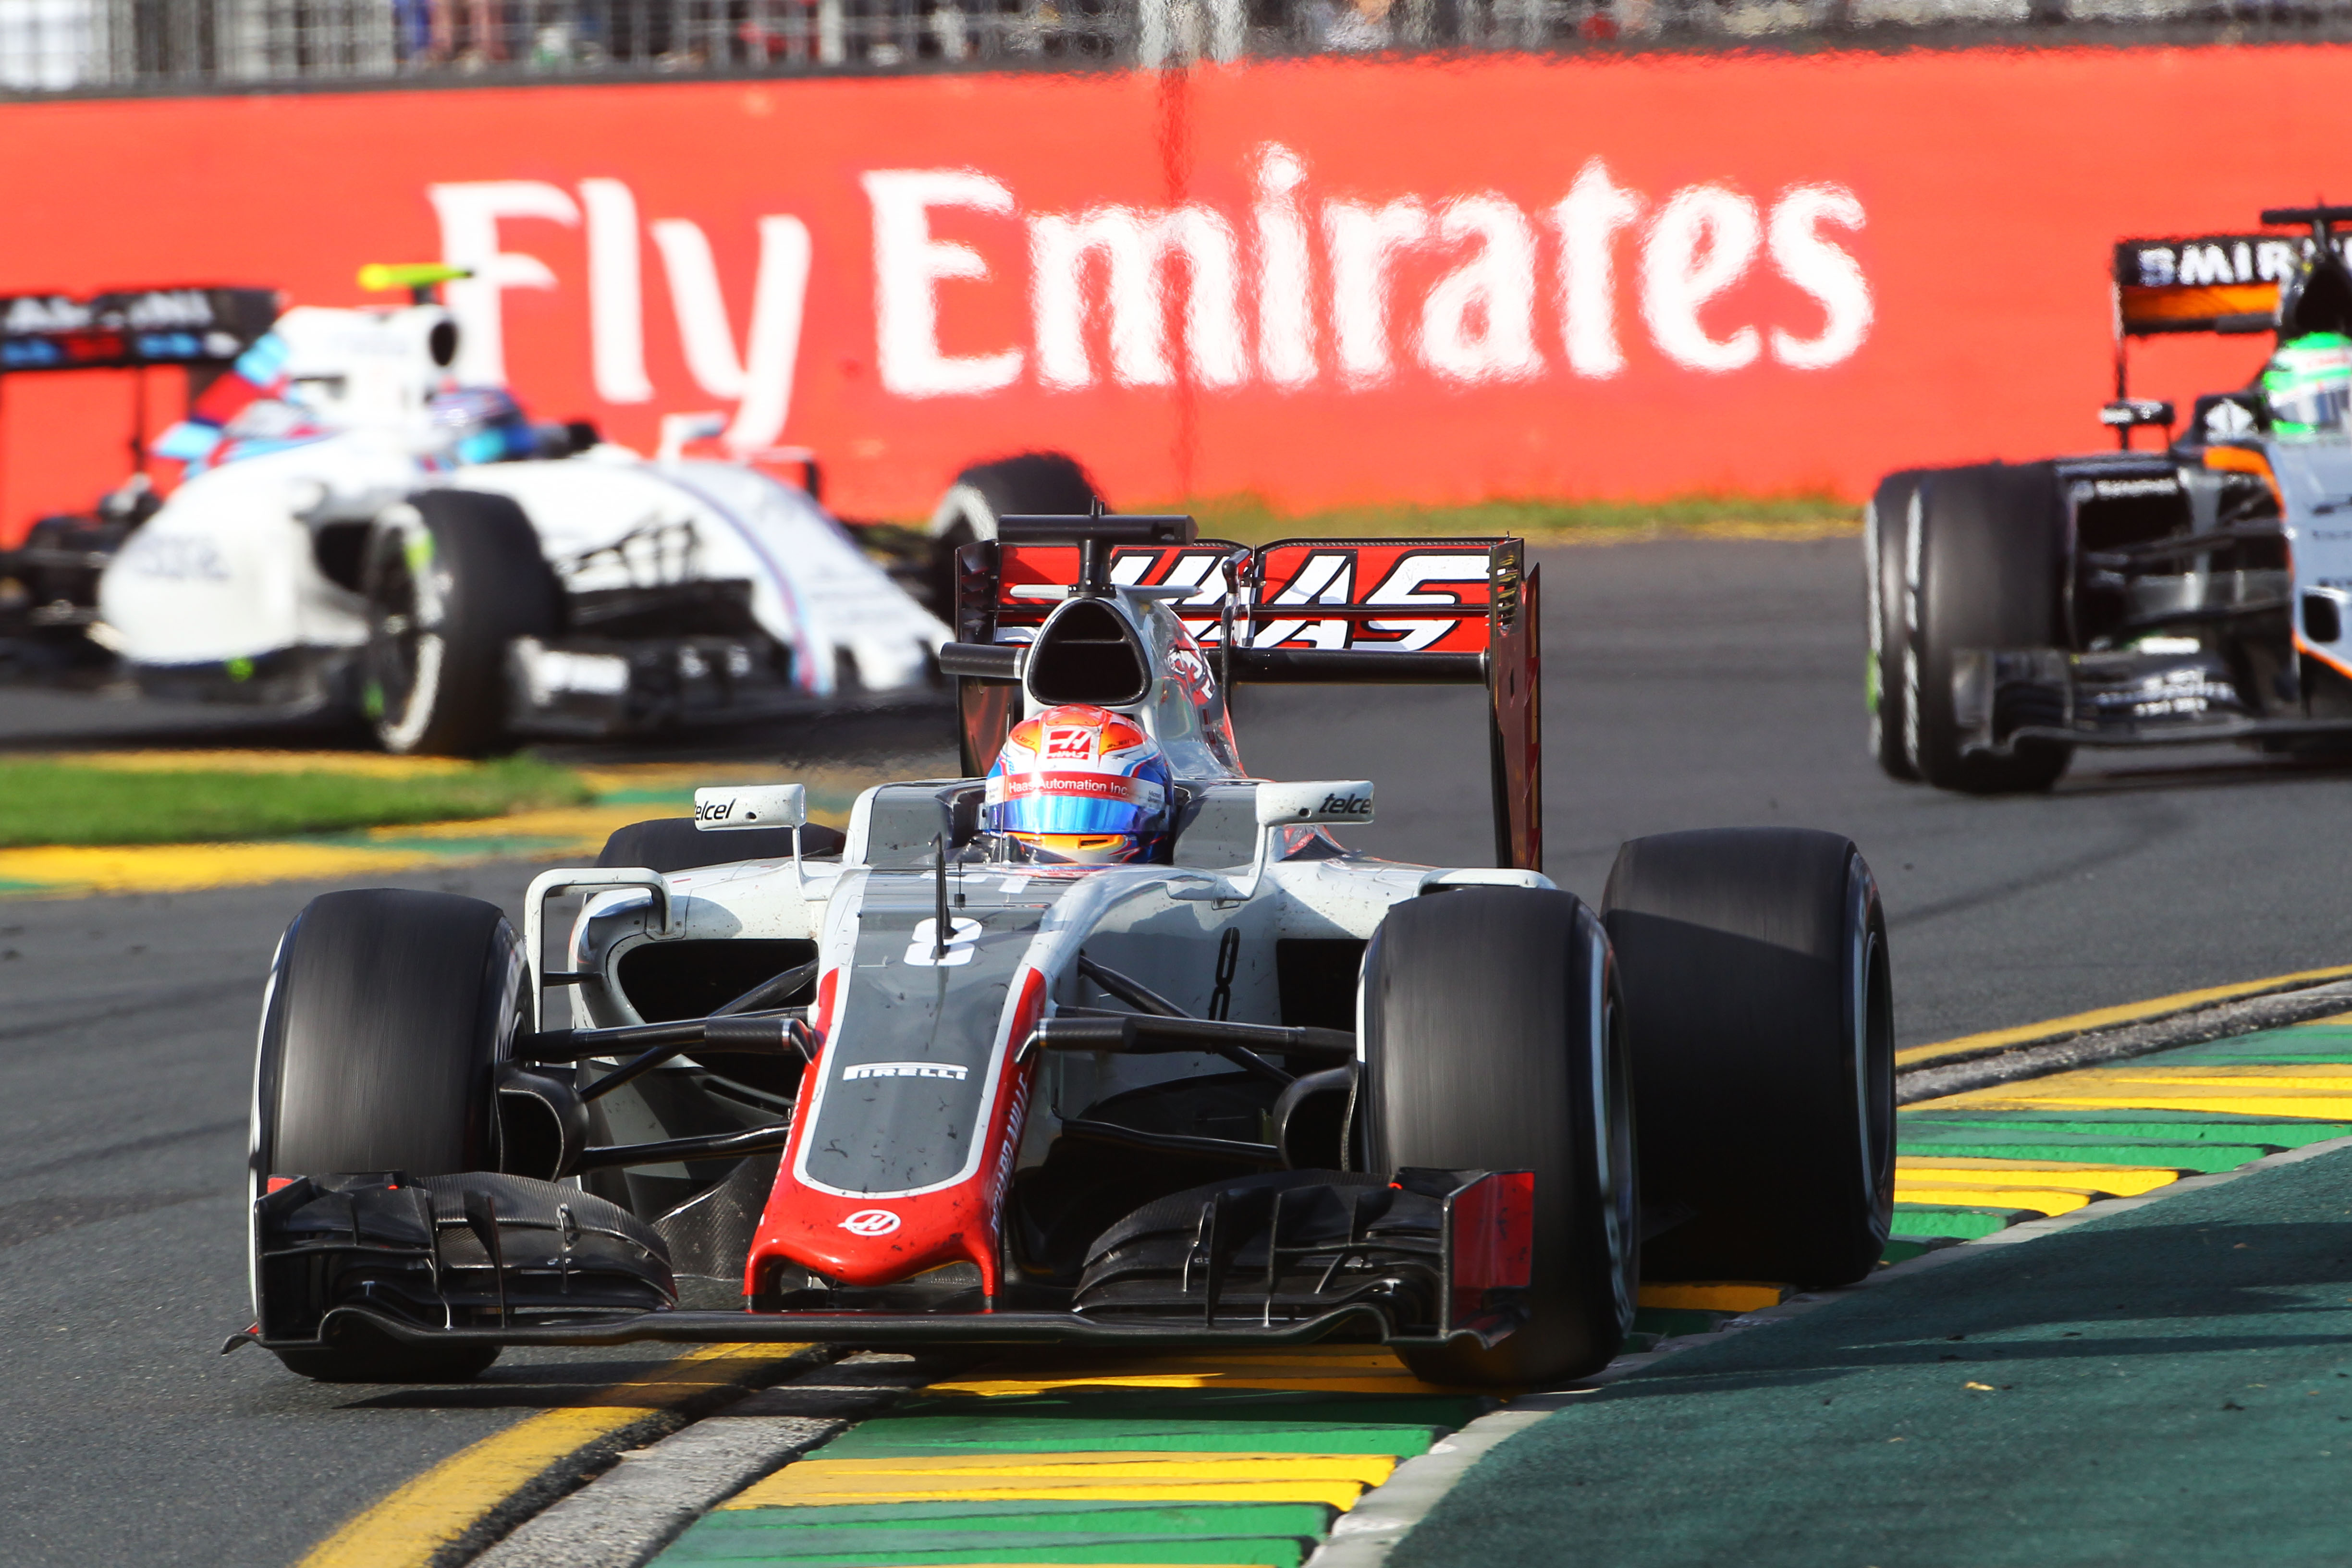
{"x":784,"y":1489}
{"x":437,"y":1508}
{"x":1112,"y":1465}
{"x":2108,"y":1017}
{"x":2042,"y":1200}
{"x":2117,"y":1181}
{"x":1715,"y":1296}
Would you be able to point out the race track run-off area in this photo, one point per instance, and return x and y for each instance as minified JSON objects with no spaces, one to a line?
{"x":2111,"y":1330}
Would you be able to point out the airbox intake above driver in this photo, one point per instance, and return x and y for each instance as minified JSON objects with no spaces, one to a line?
{"x":1087,"y":652}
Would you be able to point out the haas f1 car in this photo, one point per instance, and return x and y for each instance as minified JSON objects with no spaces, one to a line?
{"x":1104,"y":1043}
{"x":2134,"y":598}
{"x":356,"y":532}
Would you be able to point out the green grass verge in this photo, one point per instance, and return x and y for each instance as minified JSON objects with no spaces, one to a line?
{"x":1248,"y":520}
{"x":44,"y":801}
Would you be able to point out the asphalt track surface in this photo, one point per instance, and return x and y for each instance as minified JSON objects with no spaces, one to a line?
{"x":1688,"y":684}
{"x":2168,"y":1388}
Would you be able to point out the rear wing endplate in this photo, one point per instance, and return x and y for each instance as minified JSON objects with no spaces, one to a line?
{"x":1375,"y":612}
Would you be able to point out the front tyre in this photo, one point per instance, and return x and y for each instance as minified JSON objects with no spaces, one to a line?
{"x":1988,"y":572}
{"x":1761,"y":1012}
{"x":1887,"y":525}
{"x":386,"y":1016}
{"x":1493,"y":1040}
{"x":451,"y":578}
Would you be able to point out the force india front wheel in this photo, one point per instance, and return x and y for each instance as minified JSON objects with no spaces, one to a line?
{"x":1493,"y":1040}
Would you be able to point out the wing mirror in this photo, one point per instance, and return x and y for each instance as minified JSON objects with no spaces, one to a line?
{"x":722,"y":807}
{"x":725,"y":807}
{"x":1321,"y":802}
{"x":2126,"y":415}
{"x":1334,"y":801}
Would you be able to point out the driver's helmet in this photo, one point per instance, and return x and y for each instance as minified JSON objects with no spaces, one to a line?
{"x":2308,"y":385}
{"x":1080,"y":784}
{"x":481,"y":423}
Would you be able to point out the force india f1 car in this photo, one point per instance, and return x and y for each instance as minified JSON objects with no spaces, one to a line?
{"x":2131,"y":598}
{"x":936,"y":1081}
{"x":357,"y":533}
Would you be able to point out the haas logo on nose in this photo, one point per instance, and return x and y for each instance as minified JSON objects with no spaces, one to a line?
{"x":871,"y":1222}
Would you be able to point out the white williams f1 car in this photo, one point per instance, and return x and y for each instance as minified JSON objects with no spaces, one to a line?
{"x":1105,"y":1042}
{"x":355,"y":532}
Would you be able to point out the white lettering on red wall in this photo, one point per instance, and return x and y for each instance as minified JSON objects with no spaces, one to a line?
{"x":1299,"y":289}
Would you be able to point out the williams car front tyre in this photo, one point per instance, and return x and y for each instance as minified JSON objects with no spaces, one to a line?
{"x":451,"y":578}
{"x":1493,"y":1040}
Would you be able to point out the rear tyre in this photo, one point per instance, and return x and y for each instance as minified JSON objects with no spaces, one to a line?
{"x":1492,"y":1041}
{"x":1885,"y":551}
{"x":1031,"y":484}
{"x":1760,"y":1009}
{"x":451,"y":578}
{"x":386,"y":1016}
{"x":1990,"y":575}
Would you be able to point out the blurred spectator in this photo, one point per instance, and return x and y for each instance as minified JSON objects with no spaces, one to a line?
{"x":1346,"y":26}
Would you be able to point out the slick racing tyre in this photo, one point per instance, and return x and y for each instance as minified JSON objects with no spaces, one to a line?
{"x":451,"y":578}
{"x":386,"y":1016}
{"x":1885,"y":552}
{"x":1753,"y":963}
{"x":1988,"y":574}
{"x":1493,"y":1041}
{"x":1032,"y":484}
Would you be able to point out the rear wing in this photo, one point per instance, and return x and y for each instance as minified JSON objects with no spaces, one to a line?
{"x":2203,"y":283}
{"x":197,"y":328}
{"x":1325,"y":611}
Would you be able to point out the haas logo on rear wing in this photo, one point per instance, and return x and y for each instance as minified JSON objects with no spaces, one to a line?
{"x":1319,"y":611}
{"x":1423,"y":595}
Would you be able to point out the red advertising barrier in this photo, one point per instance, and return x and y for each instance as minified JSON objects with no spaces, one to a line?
{"x":1323,"y":282}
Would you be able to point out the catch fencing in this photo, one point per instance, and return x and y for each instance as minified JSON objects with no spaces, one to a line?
{"x":193,"y":45}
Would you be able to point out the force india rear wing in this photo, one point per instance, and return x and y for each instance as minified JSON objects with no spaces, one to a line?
{"x":2217,"y":282}
{"x":197,"y":328}
{"x":1323,"y":611}
{"x":2209,"y":283}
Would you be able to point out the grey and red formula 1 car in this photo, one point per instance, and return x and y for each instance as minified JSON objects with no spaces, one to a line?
{"x":924,"y":1082}
{"x":2130,"y":598}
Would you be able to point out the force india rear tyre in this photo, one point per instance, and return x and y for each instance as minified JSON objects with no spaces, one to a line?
{"x":451,"y":578}
{"x":1759,"y":1007}
{"x":1885,"y":553}
{"x":1492,"y":1041}
{"x":386,"y":1016}
{"x":1988,"y":572}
